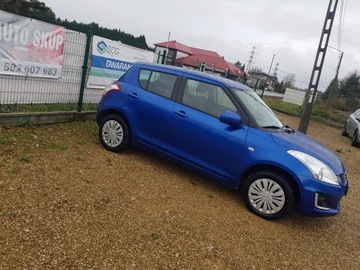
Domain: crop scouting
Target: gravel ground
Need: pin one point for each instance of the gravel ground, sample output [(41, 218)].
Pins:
[(67, 203)]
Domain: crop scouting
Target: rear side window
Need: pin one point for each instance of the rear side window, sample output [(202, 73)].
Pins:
[(159, 83), (207, 98)]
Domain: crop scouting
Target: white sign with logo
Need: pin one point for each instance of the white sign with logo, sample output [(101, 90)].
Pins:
[(29, 47), (111, 59)]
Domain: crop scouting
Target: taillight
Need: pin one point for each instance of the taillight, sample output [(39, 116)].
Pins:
[(112, 87)]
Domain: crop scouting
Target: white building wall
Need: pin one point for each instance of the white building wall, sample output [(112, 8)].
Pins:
[(294, 96)]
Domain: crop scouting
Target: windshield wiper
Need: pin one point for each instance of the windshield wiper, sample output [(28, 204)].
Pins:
[(272, 127), (284, 127), (288, 129)]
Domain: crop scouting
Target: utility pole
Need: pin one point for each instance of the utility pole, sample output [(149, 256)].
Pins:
[(310, 95), (335, 79), (267, 77), (251, 59), (166, 52), (276, 69)]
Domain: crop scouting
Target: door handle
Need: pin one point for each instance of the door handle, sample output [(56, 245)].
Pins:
[(134, 95), (181, 113)]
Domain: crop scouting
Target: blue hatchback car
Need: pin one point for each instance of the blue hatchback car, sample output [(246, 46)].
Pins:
[(223, 130)]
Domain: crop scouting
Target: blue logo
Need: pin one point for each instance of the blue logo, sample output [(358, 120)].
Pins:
[(101, 47)]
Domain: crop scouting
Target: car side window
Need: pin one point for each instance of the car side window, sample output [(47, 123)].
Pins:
[(207, 98), (357, 114), (157, 82)]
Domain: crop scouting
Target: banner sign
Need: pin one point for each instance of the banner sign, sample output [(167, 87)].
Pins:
[(29, 47), (111, 59)]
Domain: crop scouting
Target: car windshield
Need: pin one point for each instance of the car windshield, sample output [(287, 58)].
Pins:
[(262, 114)]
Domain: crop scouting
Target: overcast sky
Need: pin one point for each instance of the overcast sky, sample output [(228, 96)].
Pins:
[(290, 29)]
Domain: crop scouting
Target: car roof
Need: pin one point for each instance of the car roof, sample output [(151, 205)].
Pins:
[(226, 82)]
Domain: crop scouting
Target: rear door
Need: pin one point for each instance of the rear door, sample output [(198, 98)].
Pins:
[(151, 109), (198, 137)]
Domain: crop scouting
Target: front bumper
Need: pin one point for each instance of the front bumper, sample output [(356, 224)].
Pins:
[(321, 199)]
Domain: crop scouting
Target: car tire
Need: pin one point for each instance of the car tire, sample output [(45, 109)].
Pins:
[(344, 132), (114, 133), (268, 195), (354, 141)]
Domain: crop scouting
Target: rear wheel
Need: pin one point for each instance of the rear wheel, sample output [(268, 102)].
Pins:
[(268, 195), (114, 133), (355, 141)]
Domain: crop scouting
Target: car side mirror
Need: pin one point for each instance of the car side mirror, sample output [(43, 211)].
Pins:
[(231, 118)]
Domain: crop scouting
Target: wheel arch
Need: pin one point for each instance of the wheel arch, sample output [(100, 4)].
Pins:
[(355, 137), (267, 167), (103, 114), (356, 132)]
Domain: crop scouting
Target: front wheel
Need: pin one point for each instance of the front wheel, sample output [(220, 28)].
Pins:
[(268, 195), (114, 133), (344, 132)]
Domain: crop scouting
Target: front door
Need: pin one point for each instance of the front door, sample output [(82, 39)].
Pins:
[(198, 137)]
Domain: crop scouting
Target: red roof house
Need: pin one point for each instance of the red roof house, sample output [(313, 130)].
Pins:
[(183, 55)]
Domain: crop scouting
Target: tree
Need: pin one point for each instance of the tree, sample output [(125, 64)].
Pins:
[(289, 80), (12, 6), (38, 10), (332, 91), (256, 70), (279, 87), (32, 8), (240, 66), (350, 91)]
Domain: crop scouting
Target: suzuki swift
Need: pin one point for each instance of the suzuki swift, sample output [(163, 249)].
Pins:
[(223, 130)]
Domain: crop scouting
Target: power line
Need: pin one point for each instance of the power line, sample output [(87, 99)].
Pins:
[(341, 22)]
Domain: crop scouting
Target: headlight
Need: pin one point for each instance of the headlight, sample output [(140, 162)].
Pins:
[(318, 169)]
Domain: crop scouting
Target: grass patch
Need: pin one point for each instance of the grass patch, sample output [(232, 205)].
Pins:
[(25, 158), (17, 108), (155, 236), (11, 215), (57, 147), (320, 113), (5, 141), (284, 107)]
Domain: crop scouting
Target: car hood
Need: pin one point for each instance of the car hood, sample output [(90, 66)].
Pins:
[(299, 141)]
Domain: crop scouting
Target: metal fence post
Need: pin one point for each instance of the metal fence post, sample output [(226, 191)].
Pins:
[(84, 68)]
